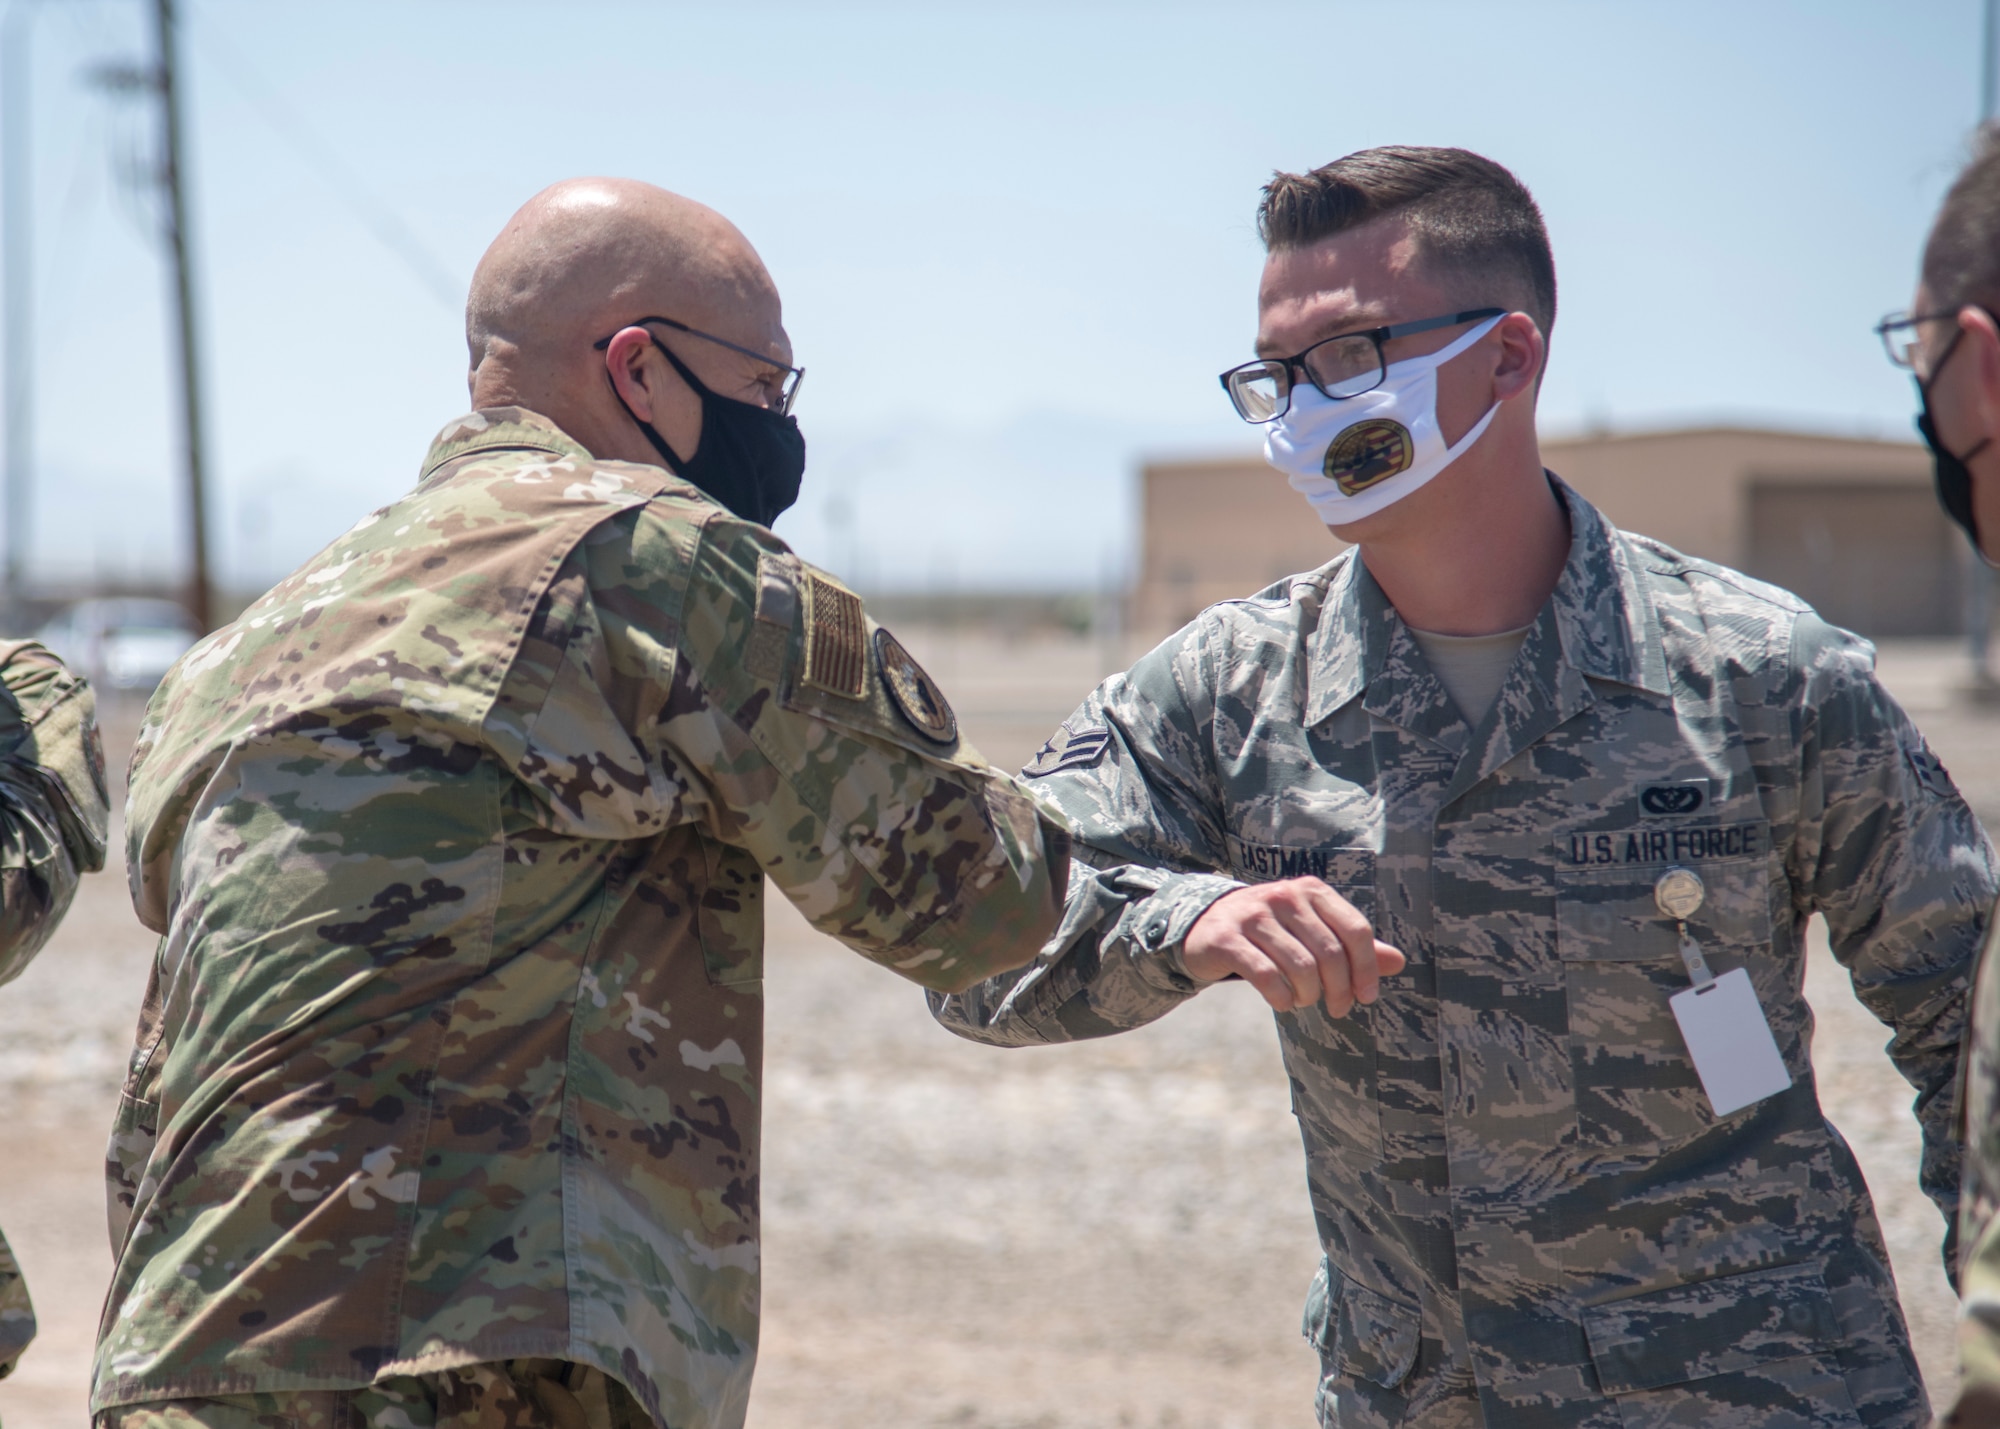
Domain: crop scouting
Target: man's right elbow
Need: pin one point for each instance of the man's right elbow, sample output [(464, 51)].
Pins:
[(965, 973)]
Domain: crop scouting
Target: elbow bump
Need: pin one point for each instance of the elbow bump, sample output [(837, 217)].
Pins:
[(970, 972)]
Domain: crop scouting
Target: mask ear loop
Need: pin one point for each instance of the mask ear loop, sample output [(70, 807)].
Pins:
[(1445, 354), (674, 463), (1458, 448), (1433, 360)]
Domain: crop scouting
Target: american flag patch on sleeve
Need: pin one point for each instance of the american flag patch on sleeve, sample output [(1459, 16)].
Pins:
[(836, 650)]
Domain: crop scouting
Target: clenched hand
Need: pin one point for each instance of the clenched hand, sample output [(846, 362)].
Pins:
[(1297, 942)]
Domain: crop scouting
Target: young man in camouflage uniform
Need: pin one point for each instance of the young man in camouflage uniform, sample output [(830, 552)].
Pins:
[(1950, 339), (53, 809), (1569, 775), (445, 1104)]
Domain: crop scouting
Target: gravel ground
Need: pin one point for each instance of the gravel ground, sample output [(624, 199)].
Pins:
[(1105, 1235)]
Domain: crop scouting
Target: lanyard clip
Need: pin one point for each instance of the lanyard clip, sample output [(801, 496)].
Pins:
[(1679, 895)]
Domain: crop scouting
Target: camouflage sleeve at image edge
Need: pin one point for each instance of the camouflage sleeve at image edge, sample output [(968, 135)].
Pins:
[(54, 807), (1889, 853), (1979, 1264), (1129, 769), (53, 814)]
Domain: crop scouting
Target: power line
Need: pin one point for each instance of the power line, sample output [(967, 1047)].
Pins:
[(347, 186)]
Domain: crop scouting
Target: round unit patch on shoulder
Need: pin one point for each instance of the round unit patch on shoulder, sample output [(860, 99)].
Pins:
[(916, 694), (1369, 453)]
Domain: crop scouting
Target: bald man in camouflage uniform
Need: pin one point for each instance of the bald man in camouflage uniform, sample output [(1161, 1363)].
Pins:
[(53, 809), (1531, 1211), (445, 1105)]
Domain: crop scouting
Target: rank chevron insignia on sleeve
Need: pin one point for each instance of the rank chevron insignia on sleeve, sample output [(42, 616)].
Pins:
[(1070, 749)]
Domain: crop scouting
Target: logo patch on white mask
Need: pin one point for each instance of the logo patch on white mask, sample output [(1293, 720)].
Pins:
[(1367, 453)]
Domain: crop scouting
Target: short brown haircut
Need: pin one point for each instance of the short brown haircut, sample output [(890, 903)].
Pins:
[(1962, 256), (1474, 222)]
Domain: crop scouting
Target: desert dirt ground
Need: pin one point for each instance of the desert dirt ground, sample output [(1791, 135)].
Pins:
[(1104, 1235)]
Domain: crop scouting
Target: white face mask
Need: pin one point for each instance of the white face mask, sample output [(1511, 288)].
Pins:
[(1353, 457)]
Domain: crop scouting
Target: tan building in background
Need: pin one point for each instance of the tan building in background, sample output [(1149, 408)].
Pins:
[(1850, 524)]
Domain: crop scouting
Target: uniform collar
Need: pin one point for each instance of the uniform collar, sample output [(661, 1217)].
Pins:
[(500, 429), (1599, 623)]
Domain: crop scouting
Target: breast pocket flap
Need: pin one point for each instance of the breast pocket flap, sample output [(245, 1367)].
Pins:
[(1720, 1326), (1612, 916)]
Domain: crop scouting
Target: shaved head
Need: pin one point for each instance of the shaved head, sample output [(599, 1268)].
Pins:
[(582, 260)]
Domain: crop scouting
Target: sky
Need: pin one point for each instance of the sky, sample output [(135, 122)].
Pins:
[(1015, 242)]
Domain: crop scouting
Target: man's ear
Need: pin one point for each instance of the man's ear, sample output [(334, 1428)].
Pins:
[(1522, 350), (1978, 332), (625, 363)]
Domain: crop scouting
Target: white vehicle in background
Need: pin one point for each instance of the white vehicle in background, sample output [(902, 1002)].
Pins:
[(124, 644)]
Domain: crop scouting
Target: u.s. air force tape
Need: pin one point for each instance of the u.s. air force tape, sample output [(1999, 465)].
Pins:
[(1692, 845), (1070, 749)]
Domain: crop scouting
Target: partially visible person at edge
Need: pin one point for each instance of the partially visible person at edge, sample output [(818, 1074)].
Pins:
[(1591, 789), (444, 1109), (53, 812), (1950, 339)]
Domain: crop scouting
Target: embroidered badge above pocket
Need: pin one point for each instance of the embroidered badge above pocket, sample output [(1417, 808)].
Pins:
[(1676, 800)]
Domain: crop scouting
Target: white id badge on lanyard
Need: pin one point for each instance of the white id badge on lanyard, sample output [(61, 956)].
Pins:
[(1721, 1020), (1731, 1042)]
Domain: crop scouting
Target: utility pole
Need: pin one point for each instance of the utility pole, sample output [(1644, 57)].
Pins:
[(173, 181), (1979, 583), (16, 237)]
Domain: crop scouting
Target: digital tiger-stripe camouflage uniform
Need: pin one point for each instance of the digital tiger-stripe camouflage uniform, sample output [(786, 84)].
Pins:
[(53, 812), (446, 1092), (1529, 1214)]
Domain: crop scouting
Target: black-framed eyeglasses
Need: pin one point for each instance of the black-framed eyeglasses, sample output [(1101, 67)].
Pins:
[(787, 394), (1898, 332), (1342, 366)]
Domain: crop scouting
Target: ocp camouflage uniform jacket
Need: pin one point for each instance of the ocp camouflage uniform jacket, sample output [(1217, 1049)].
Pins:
[(53, 810), (1978, 1404), (1528, 1210), (458, 840)]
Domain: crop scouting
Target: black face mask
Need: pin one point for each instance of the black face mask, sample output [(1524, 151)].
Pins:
[(750, 458), (1954, 479)]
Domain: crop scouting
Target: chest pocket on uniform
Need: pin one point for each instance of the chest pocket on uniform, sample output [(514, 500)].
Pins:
[(1635, 1083), (1331, 1061)]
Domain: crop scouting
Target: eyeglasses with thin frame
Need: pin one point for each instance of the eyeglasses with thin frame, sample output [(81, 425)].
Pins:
[(1900, 338), (787, 394), (1345, 365)]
